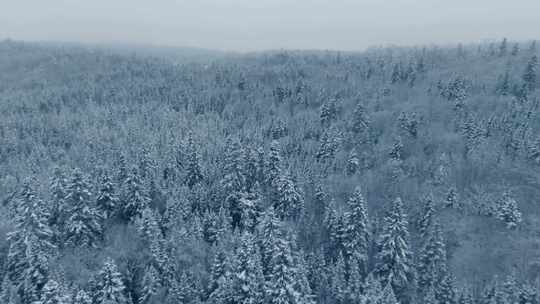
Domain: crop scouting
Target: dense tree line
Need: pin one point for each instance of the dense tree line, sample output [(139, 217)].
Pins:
[(399, 175)]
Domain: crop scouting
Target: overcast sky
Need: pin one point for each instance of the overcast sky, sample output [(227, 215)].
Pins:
[(247, 25)]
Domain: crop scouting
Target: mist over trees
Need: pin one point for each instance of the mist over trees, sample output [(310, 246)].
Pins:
[(395, 175)]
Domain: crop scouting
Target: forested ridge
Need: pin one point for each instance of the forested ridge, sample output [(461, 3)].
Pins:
[(393, 175)]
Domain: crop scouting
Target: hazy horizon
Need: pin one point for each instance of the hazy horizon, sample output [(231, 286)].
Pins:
[(241, 25)]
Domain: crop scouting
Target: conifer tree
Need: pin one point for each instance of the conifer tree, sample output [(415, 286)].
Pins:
[(83, 226), (57, 188), (274, 164), (218, 269), (372, 290), (269, 231), (338, 280), (432, 258), (445, 292), (82, 297), (36, 275), (388, 296), (394, 257), (31, 243), (280, 288), (290, 202), (529, 77), (234, 174), (353, 163), (52, 294), (150, 285), (134, 196), (508, 212), (426, 219), (356, 230), (328, 112), (110, 288), (247, 279), (193, 167), (107, 200)]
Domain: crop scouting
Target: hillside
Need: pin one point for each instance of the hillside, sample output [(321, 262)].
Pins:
[(316, 177)]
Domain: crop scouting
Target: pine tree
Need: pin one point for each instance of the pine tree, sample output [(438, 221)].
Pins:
[(182, 290), (83, 226), (82, 297), (356, 232), (394, 257), (52, 294), (338, 280), (134, 196), (247, 279), (107, 200), (110, 288), (193, 167)]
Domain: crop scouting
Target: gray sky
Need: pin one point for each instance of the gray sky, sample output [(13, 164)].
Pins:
[(270, 24)]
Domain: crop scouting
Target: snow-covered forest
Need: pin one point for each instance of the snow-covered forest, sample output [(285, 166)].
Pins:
[(394, 175)]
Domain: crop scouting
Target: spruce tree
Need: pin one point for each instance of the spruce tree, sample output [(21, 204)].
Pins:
[(529, 77), (52, 294), (372, 290), (508, 211), (338, 280), (432, 258), (247, 277), (107, 200), (356, 232), (280, 288), (57, 188), (150, 285), (394, 256), (426, 219), (83, 224), (194, 173), (268, 233), (31, 243), (134, 196), (388, 296), (110, 288), (274, 164), (290, 202), (82, 297)]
